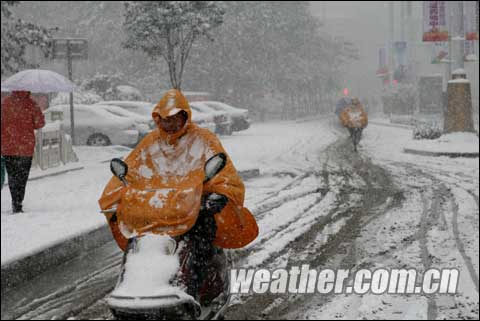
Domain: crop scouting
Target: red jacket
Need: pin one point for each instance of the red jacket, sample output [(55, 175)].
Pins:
[(20, 117)]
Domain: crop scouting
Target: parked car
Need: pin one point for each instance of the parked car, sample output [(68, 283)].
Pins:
[(223, 122), (203, 120), (239, 116), (144, 123), (146, 108), (96, 126), (143, 108)]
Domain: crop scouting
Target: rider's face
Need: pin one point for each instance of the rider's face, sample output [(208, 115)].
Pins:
[(171, 124)]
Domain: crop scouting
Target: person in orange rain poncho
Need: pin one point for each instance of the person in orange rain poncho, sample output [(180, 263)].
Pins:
[(164, 169), (354, 115)]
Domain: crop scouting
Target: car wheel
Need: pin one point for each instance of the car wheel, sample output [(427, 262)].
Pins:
[(98, 140)]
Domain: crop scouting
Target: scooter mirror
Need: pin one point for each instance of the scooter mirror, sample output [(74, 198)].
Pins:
[(119, 168), (214, 165)]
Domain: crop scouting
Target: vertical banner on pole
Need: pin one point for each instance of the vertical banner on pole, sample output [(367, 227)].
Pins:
[(382, 70), (435, 24), (400, 48), (470, 19), (400, 52)]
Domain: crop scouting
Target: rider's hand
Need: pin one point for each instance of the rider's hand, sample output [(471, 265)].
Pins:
[(214, 203)]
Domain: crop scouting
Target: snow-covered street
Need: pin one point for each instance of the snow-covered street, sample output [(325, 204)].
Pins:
[(316, 202), (240, 160), (389, 210)]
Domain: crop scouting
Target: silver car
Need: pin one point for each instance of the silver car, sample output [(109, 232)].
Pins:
[(96, 126), (223, 122), (144, 124), (145, 109), (239, 116)]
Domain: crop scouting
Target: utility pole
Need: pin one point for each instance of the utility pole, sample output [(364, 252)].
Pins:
[(70, 77), (459, 113), (391, 62), (70, 49), (457, 37), (324, 12), (402, 21), (411, 41)]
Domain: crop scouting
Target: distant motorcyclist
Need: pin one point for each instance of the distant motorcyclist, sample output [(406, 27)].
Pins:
[(352, 116), (166, 159)]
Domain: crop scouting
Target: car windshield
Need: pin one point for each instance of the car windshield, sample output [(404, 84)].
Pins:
[(116, 113), (195, 108), (215, 107)]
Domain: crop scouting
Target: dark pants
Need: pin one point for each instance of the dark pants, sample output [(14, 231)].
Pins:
[(202, 236), (356, 135), (18, 169)]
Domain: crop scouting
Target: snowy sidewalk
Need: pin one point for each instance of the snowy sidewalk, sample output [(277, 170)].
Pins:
[(451, 145), (59, 204)]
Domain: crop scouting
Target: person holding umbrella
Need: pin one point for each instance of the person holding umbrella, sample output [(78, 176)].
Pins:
[(20, 118)]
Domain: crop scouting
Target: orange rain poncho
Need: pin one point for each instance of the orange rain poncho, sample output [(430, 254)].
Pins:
[(165, 175), (354, 116)]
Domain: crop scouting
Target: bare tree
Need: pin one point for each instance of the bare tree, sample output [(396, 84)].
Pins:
[(168, 29)]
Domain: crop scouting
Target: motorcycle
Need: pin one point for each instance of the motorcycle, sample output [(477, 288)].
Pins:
[(161, 277)]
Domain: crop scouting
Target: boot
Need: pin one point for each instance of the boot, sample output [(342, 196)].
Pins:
[(17, 208)]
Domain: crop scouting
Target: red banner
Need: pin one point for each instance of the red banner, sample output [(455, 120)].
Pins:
[(435, 26), (470, 18)]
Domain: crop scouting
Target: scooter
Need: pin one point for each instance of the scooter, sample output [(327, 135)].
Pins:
[(159, 279)]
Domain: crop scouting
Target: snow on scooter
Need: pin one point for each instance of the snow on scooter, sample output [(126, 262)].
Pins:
[(159, 277)]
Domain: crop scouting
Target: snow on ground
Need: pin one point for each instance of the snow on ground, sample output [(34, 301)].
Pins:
[(450, 143), (286, 199), (306, 182), (437, 226), (278, 146), (59, 207)]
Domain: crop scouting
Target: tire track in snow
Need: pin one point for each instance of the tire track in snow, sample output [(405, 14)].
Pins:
[(340, 244), (287, 186), (425, 226), (454, 221), (284, 236), (461, 246)]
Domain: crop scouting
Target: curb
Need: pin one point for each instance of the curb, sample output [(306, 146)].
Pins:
[(60, 172), (440, 154), (20, 271), (27, 268), (391, 125)]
